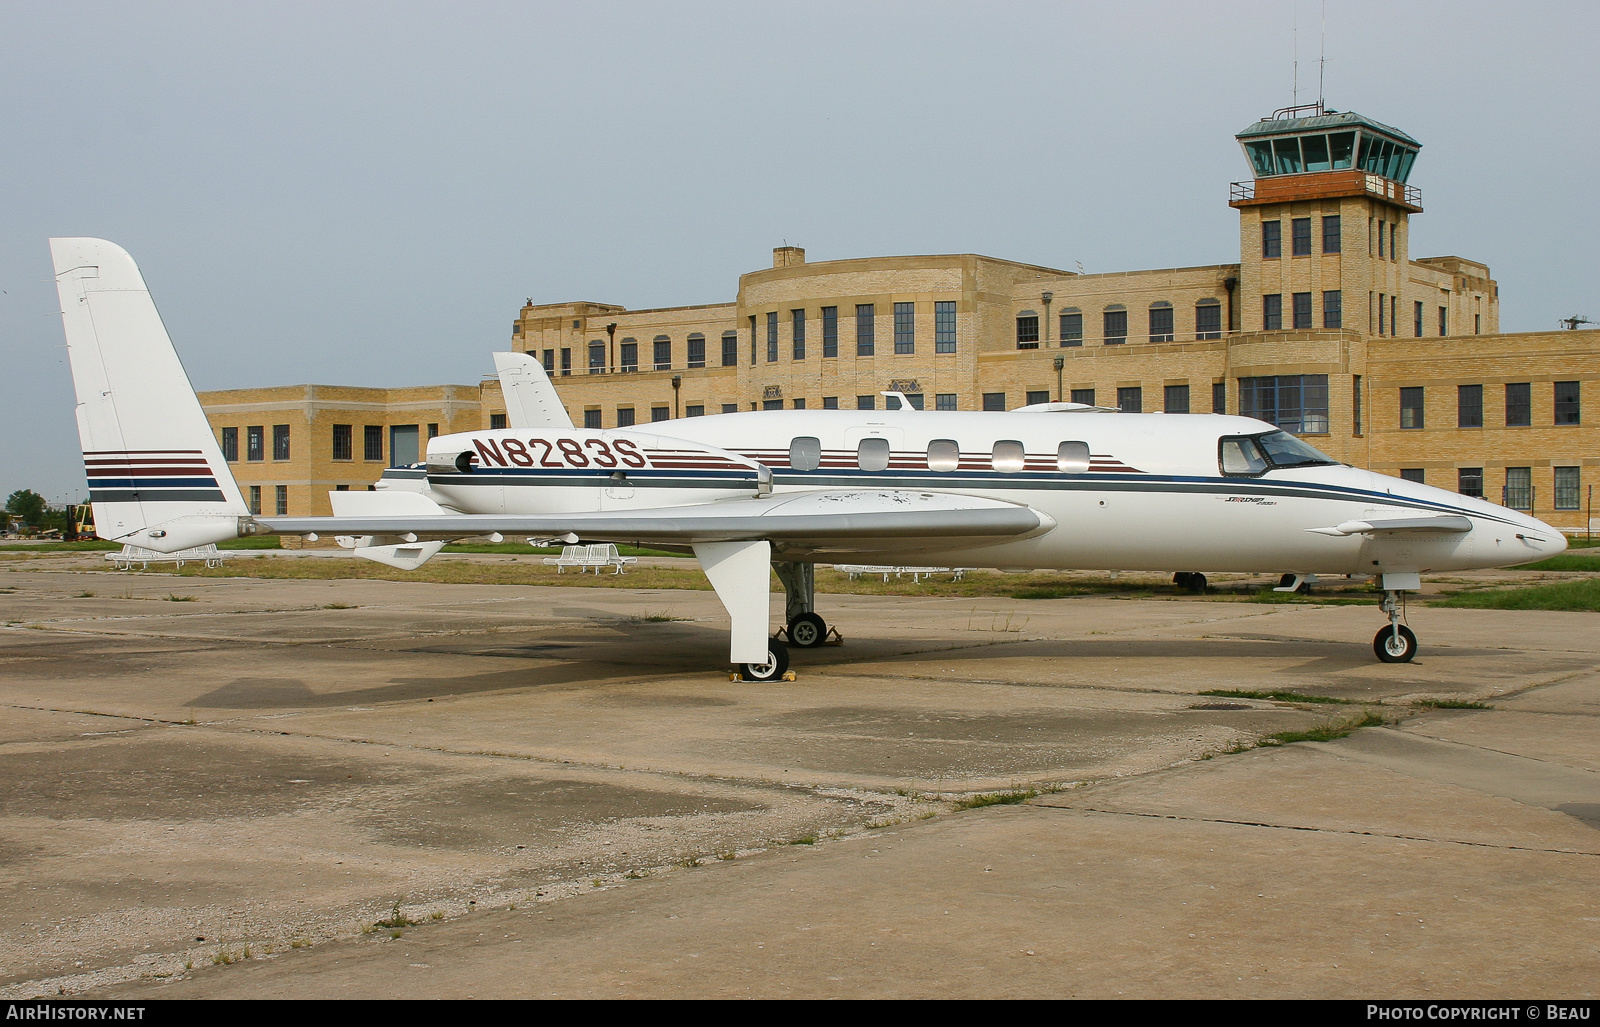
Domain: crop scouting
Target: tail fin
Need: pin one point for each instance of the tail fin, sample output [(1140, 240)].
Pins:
[(156, 474), (531, 401)]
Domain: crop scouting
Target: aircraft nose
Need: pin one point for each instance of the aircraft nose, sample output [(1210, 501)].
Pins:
[(1542, 537)]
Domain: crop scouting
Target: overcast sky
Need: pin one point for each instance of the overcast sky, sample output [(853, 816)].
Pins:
[(364, 193)]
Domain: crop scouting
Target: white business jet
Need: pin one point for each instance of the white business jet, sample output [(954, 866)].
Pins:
[(1052, 486)]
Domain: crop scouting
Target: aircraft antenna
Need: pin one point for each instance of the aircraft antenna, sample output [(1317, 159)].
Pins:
[(1296, 23), (1322, 58), (1572, 323)]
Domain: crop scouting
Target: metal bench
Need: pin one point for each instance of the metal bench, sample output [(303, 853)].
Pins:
[(856, 570), (211, 556), (585, 557)]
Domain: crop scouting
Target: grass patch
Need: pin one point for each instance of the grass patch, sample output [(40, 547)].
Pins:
[(1575, 596), (1008, 798), (1279, 696), (173, 597), (1450, 704), (339, 606), (1589, 561), (396, 920), (1326, 733)]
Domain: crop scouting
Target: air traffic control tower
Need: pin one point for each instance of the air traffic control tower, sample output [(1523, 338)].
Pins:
[(1323, 227)]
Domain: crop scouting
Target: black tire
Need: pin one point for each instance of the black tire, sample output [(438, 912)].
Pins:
[(1391, 649), (808, 631), (1189, 581), (775, 667)]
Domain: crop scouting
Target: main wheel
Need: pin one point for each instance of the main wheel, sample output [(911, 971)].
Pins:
[(777, 663), (808, 631), (1395, 646)]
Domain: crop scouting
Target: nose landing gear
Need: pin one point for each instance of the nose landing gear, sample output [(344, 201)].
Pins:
[(1395, 643)]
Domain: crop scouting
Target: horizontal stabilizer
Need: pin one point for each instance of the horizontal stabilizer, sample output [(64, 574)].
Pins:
[(1438, 522)]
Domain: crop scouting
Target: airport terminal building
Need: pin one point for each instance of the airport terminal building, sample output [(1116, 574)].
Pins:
[(1326, 326)]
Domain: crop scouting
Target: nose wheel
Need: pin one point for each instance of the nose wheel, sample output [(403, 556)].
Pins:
[(1395, 643)]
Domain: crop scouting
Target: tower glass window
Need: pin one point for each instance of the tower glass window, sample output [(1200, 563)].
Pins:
[(1072, 328), (1271, 312), (866, 329), (1160, 324), (1116, 327), (1333, 309), (944, 326), (1296, 403), (1028, 331), (1272, 239), (905, 327), (1300, 237)]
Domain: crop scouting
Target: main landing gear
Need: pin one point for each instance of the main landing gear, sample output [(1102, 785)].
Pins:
[(805, 628), (1189, 581), (776, 665), (1395, 643)]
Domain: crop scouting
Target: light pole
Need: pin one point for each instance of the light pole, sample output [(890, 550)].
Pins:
[(677, 383), (611, 331), (1060, 363), (1045, 299)]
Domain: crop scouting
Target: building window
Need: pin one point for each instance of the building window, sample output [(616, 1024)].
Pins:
[(1219, 397), (1072, 328), (1444, 321), (1469, 406), (624, 416), (255, 443), (662, 345), (1130, 400), (772, 404), (597, 358), (1477, 324), (1300, 237), (797, 329), (772, 336), (1294, 402), (866, 402), (830, 331), (1116, 327), (255, 499), (1355, 404), (1272, 238), (695, 410), (1380, 239), (566, 361), (1567, 409), (1027, 331), (591, 418), (664, 413), (433, 431), (1176, 399), (1333, 309), (752, 346), (1567, 488), (730, 349), (944, 326), (1208, 320), (344, 446), (799, 404), (830, 402), (1411, 413), (1084, 396), (497, 421), (1469, 481), (630, 356), (549, 361), (1519, 404), (372, 442), (1038, 397), (230, 445), (1519, 488), (1272, 312), (944, 401), (1161, 324), (994, 401), (866, 329), (1412, 474), (1416, 319), (697, 350), (730, 408), (1330, 234), (905, 328), (1302, 309), (282, 499)]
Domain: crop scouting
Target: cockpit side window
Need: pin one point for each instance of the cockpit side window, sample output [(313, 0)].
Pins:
[(1239, 456)]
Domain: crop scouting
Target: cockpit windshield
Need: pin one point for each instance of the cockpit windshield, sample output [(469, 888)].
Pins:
[(1250, 455)]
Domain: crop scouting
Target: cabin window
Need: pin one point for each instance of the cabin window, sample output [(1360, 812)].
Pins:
[(943, 455), (873, 454), (805, 453), (1007, 456), (1072, 457)]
